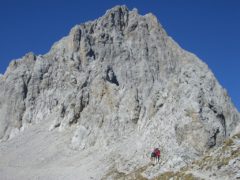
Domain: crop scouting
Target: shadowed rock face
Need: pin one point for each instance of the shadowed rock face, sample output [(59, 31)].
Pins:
[(117, 78)]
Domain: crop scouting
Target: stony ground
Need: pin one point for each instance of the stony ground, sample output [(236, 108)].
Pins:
[(221, 163), (103, 97)]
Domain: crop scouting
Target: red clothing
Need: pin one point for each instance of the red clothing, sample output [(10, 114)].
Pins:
[(157, 152)]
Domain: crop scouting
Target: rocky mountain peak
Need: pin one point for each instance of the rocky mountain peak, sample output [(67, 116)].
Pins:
[(117, 16), (119, 85), (117, 25)]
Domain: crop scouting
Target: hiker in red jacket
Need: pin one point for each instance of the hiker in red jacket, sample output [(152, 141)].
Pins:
[(157, 153)]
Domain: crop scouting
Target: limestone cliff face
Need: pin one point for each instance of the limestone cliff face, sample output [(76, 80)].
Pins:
[(118, 78)]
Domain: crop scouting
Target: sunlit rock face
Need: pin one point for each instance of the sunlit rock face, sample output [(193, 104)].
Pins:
[(119, 83)]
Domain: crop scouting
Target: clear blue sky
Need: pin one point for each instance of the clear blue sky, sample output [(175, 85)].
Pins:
[(208, 28)]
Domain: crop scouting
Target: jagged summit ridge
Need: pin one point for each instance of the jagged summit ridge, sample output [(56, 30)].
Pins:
[(117, 24), (116, 81)]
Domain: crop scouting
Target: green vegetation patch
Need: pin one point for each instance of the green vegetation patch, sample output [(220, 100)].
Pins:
[(176, 176), (228, 142), (135, 175), (236, 136)]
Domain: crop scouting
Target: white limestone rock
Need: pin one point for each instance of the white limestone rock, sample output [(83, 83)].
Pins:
[(117, 81)]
